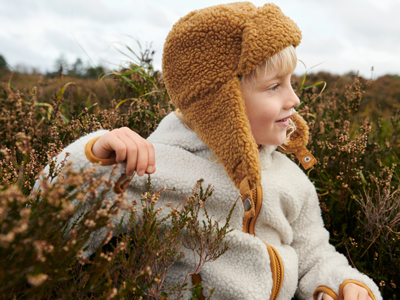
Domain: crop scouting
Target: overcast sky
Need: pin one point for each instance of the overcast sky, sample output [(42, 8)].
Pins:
[(343, 35)]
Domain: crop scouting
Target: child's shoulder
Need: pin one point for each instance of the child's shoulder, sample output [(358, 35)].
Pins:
[(182, 158), (172, 132), (289, 171)]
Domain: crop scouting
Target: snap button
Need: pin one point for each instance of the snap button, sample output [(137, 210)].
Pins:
[(307, 159), (247, 204)]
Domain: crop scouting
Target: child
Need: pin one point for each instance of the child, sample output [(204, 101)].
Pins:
[(235, 109)]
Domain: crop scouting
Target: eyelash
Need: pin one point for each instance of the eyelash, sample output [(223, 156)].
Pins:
[(274, 87)]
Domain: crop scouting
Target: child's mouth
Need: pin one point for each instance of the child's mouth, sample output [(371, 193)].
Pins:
[(283, 122)]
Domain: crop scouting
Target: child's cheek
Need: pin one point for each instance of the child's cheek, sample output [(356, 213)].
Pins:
[(267, 116), (262, 113), (263, 122)]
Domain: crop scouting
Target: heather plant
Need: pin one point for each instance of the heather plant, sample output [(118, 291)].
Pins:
[(23, 122), (43, 237), (143, 89), (355, 141), (357, 179), (33, 244)]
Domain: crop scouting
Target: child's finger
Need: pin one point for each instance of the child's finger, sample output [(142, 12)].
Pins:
[(146, 155), (113, 143), (351, 294), (325, 296), (137, 148), (151, 167), (354, 291), (142, 161), (132, 153)]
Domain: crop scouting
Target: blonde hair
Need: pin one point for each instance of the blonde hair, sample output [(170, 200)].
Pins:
[(282, 63)]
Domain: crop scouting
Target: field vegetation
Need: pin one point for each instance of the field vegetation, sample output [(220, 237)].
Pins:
[(354, 134)]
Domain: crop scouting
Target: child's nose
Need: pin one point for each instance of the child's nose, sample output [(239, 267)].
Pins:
[(292, 100)]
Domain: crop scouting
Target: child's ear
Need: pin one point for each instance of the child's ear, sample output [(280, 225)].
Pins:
[(298, 142)]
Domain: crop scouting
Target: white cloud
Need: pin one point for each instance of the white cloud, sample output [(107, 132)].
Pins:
[(345, 35)]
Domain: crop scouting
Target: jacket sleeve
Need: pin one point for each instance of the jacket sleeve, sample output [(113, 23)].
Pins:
[(81, 162), (321, 267), (82, 158)]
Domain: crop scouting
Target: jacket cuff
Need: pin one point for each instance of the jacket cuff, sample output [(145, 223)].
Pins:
[(93, 159), (357, 283), (319, 291), (330, 292)]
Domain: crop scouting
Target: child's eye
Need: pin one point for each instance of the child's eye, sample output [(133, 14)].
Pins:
[(273, 88)]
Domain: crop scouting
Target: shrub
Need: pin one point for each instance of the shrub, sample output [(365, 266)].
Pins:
[(357, 179), (355, 141), (43, 237), (41, 247), (3, 63)]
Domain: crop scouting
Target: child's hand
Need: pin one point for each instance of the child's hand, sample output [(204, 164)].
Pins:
[(351, 291), (125, 144)]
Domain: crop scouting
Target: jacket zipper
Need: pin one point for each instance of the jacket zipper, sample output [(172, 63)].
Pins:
[(279, 272), (276, 261)]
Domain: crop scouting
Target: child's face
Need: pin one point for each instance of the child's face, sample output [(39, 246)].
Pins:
[(268, 101)]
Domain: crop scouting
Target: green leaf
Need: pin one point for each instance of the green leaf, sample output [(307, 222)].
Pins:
[(303, 80), (61, 93), (364, 182), (64, 118), (92, 106), (315, 84), (49, 110), (150, 113), (135, 85), (123, 101), (135, 70)]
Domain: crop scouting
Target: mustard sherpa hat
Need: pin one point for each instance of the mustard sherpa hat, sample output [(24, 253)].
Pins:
[(204, 54)]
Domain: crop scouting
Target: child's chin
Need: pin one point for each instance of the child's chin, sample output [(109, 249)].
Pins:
[(277, 140), (275, 143), (280, 140)]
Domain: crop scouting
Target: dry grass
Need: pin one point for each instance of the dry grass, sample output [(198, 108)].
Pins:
[(355, 141)]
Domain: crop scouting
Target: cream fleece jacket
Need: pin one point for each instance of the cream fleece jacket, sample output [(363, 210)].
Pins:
[(290, 218)]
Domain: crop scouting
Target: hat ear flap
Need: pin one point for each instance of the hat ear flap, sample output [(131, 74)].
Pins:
[(222, 124), (298, 142)]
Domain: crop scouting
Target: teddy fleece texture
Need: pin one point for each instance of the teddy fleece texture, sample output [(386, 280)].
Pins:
[(290, 218), (203, 55)]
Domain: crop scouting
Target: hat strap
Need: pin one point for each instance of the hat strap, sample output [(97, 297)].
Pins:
[(245, 193)]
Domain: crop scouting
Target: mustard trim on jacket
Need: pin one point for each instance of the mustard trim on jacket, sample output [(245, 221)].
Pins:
[(335, 296), (94, 159), (277, 268)]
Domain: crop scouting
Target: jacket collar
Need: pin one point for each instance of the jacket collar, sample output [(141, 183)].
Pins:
[(171, 131)]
